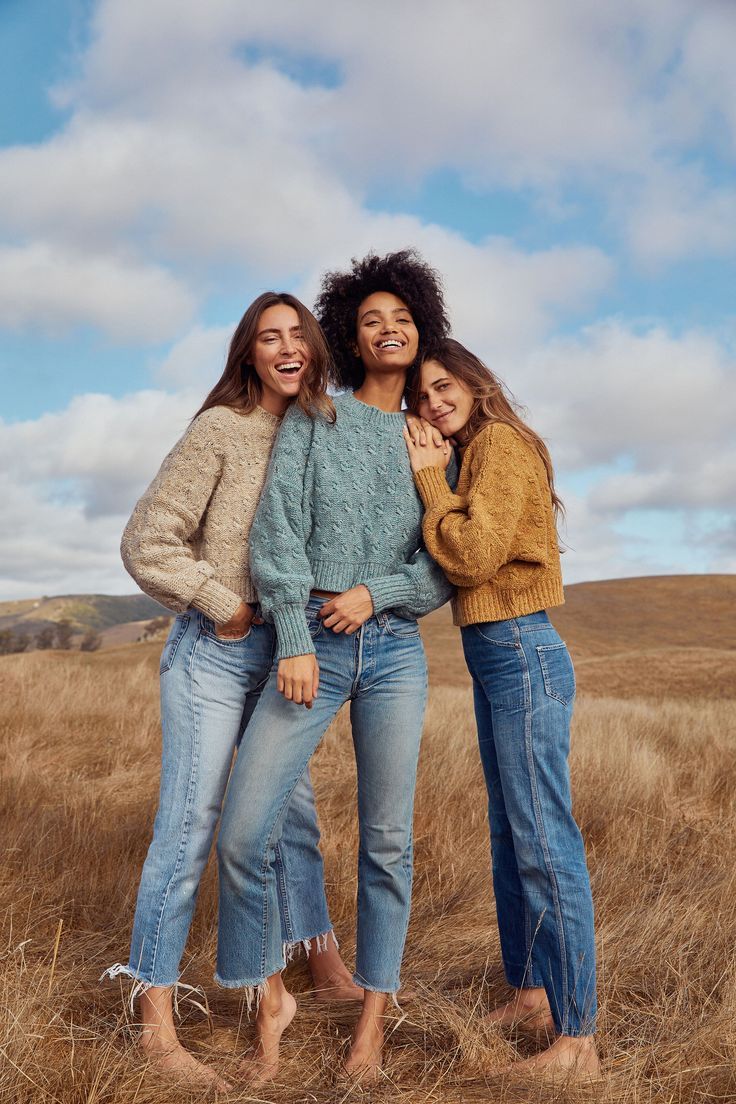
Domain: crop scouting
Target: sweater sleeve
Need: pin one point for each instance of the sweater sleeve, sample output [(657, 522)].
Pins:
[(155, 546), (472, 536), (279, 565), (419, 586)]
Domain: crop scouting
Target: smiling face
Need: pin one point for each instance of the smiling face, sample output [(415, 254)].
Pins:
[(443, 399), (280, 356), (387, 339)]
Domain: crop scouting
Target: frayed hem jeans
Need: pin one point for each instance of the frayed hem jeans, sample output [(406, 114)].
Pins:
[(524, 687), (209, 689), (381, 671)]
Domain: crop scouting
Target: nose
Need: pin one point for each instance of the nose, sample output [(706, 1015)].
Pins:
[(388, 326), (435, 402)]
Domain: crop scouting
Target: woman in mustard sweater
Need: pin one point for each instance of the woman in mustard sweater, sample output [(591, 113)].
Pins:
[(495, 538)]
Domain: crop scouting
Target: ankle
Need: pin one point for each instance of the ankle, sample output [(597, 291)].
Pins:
[(157, 1040)]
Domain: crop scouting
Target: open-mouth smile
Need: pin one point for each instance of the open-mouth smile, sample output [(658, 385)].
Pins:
[(289, 369), (390, 343)]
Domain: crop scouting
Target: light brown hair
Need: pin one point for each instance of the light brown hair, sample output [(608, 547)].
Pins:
[(491, 403), (239, 386)]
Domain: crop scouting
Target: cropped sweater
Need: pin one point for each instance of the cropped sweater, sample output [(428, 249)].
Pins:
[(495, 535), (186, 543), (340, 508)]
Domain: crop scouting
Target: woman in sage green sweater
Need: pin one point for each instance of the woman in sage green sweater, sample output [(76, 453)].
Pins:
[(494, 535), (337, 557)]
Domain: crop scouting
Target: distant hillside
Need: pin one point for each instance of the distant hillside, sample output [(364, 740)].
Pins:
[(84, 611), (671, 635)]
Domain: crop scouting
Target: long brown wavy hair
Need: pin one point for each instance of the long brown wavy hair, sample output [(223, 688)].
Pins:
[(239, 386), (492, 402)]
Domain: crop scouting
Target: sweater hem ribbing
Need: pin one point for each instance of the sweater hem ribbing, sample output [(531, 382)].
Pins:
[(339, 575), (487, 603)]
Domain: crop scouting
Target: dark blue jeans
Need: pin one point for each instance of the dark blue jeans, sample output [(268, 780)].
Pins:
[(524, 687)]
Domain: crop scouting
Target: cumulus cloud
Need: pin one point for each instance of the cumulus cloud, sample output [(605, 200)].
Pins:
[(53, 289), (612, 98), (205, 145)]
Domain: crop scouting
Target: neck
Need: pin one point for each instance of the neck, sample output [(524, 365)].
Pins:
[(384, 391), (273, 403)]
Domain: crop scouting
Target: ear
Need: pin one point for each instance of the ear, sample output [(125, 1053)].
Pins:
[(354, 347)]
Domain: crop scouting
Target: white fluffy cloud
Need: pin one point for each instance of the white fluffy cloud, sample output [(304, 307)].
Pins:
[(191, 152), (60, 288)]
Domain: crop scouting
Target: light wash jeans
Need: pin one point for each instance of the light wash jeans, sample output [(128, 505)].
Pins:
[(524, 687), (381, 671), (209, 689)]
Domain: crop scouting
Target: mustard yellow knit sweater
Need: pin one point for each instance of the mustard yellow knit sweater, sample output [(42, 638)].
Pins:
[(494, 536)]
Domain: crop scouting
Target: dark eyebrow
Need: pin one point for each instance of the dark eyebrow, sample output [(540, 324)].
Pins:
[(275, 330), (440, 379), (375, 310)]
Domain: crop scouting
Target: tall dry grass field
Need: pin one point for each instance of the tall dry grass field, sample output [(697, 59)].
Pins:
[(655, 786)]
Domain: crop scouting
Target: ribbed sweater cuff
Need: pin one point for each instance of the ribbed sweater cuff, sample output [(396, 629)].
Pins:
[(432, 485), (216, 601), (389, 591), (292, 632)]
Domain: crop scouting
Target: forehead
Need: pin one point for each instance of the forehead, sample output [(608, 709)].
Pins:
[(431, 372), (278, 317), (385, 302)]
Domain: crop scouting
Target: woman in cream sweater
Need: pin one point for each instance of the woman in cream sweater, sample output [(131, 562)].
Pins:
[(186, 545), (495, 538)]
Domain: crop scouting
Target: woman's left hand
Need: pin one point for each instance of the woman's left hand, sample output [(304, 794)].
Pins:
[(346, 612), (422, 443)]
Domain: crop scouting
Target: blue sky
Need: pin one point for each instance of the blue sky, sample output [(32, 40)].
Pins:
[(568, 169)]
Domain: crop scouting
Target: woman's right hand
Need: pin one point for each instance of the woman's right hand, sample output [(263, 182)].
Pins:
[(298, 679), (239, 624)]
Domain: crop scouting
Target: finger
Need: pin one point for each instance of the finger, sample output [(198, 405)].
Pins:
[(288, 689), (308, 705), (326, 609), (341, 625), (330, 621), (412, 432), (297, 697), (280, 683)]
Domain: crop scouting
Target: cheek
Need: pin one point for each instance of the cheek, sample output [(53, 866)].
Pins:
[(261, 361)]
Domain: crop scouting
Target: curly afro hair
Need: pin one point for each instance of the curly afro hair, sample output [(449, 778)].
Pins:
[(405, 274)]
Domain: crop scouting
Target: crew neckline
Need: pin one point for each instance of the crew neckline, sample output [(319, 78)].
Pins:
[(371, 411)]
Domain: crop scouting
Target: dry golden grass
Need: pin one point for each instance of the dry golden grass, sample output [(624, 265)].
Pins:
[(655, 785)]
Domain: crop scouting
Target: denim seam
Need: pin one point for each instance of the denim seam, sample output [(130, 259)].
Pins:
[(264, 863), (186, 822), (529, 742), (184, 625), (282, 886)]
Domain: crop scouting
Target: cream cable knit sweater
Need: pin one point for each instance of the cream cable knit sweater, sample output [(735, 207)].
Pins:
[(186, 543)]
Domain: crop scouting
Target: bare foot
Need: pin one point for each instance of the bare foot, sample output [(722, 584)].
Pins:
[(529, 1009), (568, 1057), (364, 1060), (176, 1062), (275, 1013), (331, 979), (336, 987)]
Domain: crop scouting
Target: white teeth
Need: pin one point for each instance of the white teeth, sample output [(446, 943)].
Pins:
[(289, 367), (390, 345)]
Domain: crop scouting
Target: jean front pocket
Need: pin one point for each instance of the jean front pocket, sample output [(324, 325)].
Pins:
[(402, 627), (168, 655), (315, 624), (558, 672)]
